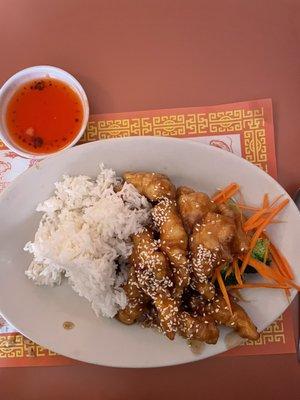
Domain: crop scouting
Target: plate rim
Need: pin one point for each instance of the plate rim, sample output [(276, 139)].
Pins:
[(82, 147)]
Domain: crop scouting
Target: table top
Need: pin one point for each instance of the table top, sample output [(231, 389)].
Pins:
[(139, 54)]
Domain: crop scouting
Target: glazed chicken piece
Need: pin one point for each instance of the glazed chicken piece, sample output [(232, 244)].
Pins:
[(151, 185), (210, 244), (239, 321), (202, 329), (137, 299), (197, 304), (173, 242), (241, 241), (193, 206), (153, 276), (203, 286)]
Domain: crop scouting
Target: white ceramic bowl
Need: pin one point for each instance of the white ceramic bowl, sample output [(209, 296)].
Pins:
[(28, 74), (39, 312)]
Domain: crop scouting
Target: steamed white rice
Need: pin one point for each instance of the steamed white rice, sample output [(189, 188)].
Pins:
[(84, 235)]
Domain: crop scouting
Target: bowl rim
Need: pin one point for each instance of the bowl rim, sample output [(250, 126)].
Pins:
[(72, 82)]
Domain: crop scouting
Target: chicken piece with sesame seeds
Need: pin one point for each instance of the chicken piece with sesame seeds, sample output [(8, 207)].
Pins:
[(203, 286), (210, 244), (197, 304), (199, 328), (241, 240), (136, 299), (238, 320), (153, 275), (173, 242), (154, 186), (167, 309), (193, 206)]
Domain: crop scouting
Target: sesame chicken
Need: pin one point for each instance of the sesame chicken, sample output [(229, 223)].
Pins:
[(136, 299), (193, 206), (152, 185), (173, 242), (238, 320), (172, 283), (153, 275)]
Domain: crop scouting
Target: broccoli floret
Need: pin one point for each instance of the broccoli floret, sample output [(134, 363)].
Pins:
[(260, 250), (258, 253)]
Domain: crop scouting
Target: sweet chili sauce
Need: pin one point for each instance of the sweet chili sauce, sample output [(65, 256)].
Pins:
[(44, 116)]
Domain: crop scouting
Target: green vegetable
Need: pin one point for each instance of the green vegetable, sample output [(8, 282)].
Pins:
[(258, 253), (260, 250)]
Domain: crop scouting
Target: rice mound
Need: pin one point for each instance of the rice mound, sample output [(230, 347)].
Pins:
[(84, 235)]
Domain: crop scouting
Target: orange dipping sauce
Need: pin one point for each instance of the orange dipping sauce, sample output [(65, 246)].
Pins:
[(44, 116)]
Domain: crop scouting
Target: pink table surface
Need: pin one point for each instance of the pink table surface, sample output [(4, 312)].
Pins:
[(142, 54)]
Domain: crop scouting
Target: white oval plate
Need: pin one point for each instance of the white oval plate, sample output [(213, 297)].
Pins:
[(39, 312)]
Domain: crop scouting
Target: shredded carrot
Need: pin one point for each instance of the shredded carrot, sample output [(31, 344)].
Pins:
[(258, 285), (294, 285), (281, 262), (282, 282), (226, 193), (223, 290), (246, 207), (276, 199), (263, 213), (249, 224), (266, 202), (218, 269), (237, 272), (266, 272), (268, 219), (279, 259), (280, 272), (267, 252), (245, 261), (260, 221), (228, 272)]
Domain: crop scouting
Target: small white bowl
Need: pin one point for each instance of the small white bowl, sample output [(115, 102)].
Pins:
[(28, 74)]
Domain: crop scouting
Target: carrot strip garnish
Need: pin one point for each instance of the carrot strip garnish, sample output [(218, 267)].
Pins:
[(279, 259), (294, 285), (260, 221), (228, 272), (260, 216), (223, 290), (246, 207), (281, 262), (266, 272), (237, 272), (268, 219), (276, 199), (267, 252), (266, 202), (248, 225), (245, 261), (226, 193)]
